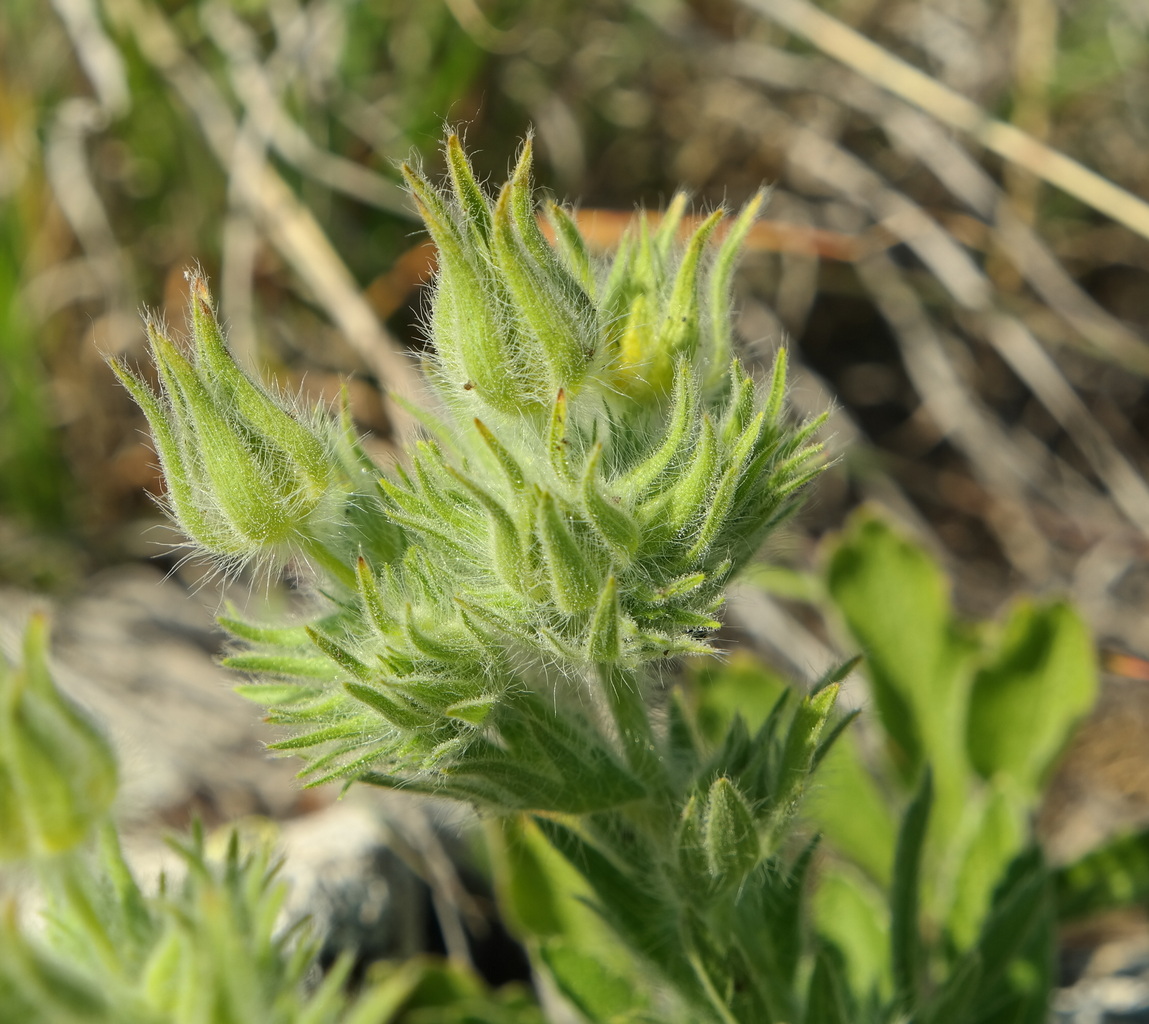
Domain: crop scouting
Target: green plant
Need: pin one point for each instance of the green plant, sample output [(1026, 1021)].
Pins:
[(492, 621), (598, 467)]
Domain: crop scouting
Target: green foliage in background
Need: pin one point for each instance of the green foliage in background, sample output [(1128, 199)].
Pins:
[(32, 471), (935, 898)]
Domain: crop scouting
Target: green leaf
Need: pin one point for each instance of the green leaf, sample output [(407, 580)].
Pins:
[(665, 236), (715, 515), (199, 523), (528, 893), (802, 740), (319, 736), (372, 598), (558, 437), (690, 850), (277, 427), (474, 204), (895, 602), (777, 396), (954, 1001), (339, 654), (905, 936), (625, 901), (853, 915), (572, 246), (273, 694), (692, 492), (576, 583), (852, 812), (739, 406), (614, 525), (556, 313), (506, 543), (771, 926), (449, 646), (826, 1002), (562, 748), (626, 696), (679, 332), (292, 636), (599, 993), (830, 739), (720, 278), (36, 988), (1018, 927), (285, 665), (396, 709), (260, 502), (605, 643), (681, 737), (507, 462), (514, 785), (475, 710), (636, 480), (521, 201), (57, 770), (1115, 875), (994, 836), (471, 340), (1026, 701)]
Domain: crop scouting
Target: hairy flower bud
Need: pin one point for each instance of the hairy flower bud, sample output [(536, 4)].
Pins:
[(729, 836), (247, 476), (57, 772)]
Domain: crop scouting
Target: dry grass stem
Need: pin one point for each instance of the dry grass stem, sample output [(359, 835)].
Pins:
[(902, 79)]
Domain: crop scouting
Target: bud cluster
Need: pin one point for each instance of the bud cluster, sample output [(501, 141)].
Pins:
[(736, 813), (598, 468), (606, 465)]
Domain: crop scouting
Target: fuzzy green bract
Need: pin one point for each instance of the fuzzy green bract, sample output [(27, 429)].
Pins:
[(597, 467)]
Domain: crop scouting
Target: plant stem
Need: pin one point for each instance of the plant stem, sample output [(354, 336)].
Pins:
[(716, 1002)]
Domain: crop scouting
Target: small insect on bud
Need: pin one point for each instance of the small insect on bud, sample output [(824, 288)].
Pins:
[(57, 772)]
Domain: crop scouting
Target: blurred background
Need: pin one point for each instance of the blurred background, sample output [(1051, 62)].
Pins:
[(955, 252)]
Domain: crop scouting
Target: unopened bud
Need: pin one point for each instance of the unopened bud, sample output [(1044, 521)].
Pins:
[(730, 838), (57, 772), (246, 477)]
